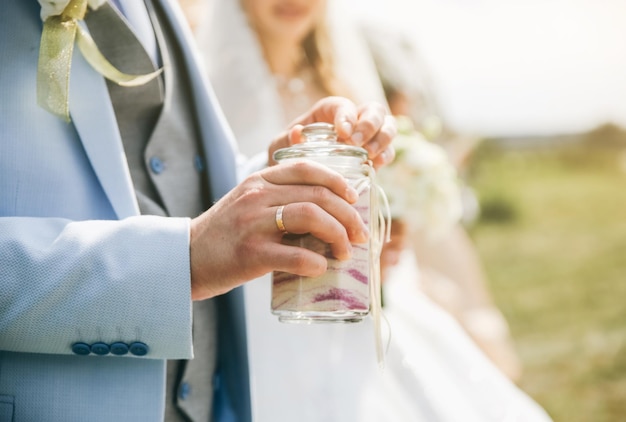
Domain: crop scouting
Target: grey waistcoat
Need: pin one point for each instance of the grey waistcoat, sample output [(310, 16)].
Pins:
[(161, 142)]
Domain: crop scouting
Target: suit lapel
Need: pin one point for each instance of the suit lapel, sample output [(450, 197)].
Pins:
[(136, 14), (92, 114), (94, 118)]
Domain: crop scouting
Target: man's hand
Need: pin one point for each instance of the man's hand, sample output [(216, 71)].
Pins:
[(368, 126), (238, 239)]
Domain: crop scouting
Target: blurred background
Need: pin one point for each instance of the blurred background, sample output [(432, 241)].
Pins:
[(542, 85)]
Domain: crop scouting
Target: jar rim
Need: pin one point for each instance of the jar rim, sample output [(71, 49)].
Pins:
[(320, 141), (320, 149), (320, 129)]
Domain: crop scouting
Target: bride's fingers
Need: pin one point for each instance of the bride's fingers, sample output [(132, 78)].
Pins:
[(375, 130), (295, 135), (340, 111), (384, 157), (369, 126), (370, 119)]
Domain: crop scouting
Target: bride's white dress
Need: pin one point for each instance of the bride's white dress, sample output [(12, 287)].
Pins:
[(433, 371), (329, 372)]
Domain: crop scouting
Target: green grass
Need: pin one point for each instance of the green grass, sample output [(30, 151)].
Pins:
[(553, 242)]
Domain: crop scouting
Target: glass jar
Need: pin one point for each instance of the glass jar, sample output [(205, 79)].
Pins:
[(344, 292)]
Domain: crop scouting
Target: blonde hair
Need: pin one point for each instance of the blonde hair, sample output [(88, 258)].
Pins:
[(319, 53)]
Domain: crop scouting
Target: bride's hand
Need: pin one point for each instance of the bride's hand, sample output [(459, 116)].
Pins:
[(368, 126), (238, 238)]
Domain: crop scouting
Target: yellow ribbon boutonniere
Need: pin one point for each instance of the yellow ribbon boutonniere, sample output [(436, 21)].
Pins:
[(60, 33)]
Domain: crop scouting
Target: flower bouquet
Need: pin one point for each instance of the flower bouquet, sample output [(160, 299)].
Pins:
[(421, 183)]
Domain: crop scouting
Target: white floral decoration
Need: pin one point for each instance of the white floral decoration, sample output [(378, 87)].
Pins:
[(56, 7), (421, 183)]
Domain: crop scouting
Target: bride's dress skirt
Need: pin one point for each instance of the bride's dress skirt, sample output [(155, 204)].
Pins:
[(322, 373)]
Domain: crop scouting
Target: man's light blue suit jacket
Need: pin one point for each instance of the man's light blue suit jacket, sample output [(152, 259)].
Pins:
[(77, 264)]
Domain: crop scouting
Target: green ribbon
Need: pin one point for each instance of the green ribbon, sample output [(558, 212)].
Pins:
[(59, 35)]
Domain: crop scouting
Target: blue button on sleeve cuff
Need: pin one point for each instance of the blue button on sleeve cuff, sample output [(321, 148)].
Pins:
[(82, 349), (119, 349), (100, 349), (138, 349)]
